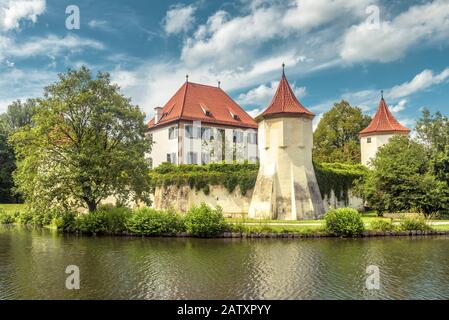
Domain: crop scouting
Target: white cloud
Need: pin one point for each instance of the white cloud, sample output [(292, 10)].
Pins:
[(263, 94), (12, 12), (419, 25), (224, 41), (179, 18), (401, 106), (51, 46), (421, 81), (23, 84), (98, 24)]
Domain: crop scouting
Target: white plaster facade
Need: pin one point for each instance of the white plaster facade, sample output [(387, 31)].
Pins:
[(371, 144), (196, 143), (286, 186)]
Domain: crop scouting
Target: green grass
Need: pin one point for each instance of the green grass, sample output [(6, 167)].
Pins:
[(12, 208), (441, 227)]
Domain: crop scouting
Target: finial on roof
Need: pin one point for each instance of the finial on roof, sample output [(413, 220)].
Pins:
[(187, 78), (283, 68), (382, 93), (219, 83)]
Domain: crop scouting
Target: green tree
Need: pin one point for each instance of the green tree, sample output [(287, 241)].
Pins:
[(87, 142), (433, 132), (400, 180), (18, 114), (336, 138)]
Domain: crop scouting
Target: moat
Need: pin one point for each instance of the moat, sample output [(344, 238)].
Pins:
[(33, 263)]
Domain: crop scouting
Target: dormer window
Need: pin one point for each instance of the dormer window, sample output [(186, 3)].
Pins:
[(206, 110), (233, 115)]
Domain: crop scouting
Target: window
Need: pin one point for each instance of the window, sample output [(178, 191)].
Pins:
[(238, 136), (191, 133), (206, 134), (252, 138), (369, 140), (172, 133), (171, 157), (192, 158), (205, 158)]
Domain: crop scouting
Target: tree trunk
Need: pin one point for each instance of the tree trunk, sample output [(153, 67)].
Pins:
[(91, 204)]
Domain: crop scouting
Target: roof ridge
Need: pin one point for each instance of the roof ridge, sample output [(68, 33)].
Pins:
[(183, 100)]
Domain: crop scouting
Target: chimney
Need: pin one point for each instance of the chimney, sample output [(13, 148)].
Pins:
[(157, 114)]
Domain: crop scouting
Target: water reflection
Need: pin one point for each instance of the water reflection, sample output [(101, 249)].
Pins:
[(33, 262)]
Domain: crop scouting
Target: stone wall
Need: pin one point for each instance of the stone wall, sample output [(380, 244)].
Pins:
[(233, 204)]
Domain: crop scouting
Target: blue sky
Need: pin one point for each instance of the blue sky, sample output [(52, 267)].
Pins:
[(333, 49)]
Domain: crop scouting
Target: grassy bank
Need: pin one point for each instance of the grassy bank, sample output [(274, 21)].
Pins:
[(203, 221)]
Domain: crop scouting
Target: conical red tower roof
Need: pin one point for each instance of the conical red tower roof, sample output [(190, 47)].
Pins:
[(285, 103), (384, 122)]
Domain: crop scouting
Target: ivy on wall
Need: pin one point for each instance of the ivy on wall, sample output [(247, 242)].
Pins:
[(230, 176), (331, 176), (338, 177)]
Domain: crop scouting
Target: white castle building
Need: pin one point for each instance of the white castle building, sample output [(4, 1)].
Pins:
[(286, 186), (201, 124), (381, 129)]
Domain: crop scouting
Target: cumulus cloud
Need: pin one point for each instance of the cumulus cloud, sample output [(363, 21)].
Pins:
[(263, 94), (421, 81), (420, 24), (12, 12), (225, 40), (401, 106), (179, 18)]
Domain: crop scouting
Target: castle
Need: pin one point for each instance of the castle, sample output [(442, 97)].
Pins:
[(286, 186)]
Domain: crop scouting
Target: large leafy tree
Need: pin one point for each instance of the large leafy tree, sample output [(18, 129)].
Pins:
[(336, 138), (433, 131), (400, 180), (18, 115), (87, 143)]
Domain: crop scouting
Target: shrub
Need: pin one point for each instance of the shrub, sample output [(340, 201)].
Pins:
[(91, 222), (115, 217), (6, 218), (204, 221), (26, 217), (414, 222), (150, 222), (65, 221), (382, 225), (345, 222)]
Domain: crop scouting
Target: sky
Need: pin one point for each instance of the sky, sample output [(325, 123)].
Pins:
[(332, 49)]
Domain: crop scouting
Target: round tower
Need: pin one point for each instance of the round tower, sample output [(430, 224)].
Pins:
[(286, 186), (381, 129)]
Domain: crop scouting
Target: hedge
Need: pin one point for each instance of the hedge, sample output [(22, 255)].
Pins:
[(331, 176)]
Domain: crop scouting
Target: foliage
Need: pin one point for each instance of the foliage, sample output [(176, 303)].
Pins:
[(18, 115), (345, 222), (87, 142), (6, 217), (203, 221), (337, 135), (106, 220), (414, 222), (400, 180), (230, 176), (150, 222), (382, 225), (339, 177)]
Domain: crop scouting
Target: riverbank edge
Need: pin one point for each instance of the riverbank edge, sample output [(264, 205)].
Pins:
[(291, 235)]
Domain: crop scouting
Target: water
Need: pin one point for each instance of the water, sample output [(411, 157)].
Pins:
[(33, 262)]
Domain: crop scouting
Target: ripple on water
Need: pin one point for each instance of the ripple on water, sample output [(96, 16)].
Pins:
[(32, 265)]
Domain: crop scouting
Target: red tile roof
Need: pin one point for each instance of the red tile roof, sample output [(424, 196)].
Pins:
[(384, 122), (192, 101), (285, 102)]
